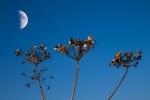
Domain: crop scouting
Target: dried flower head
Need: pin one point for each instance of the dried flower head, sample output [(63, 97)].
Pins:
[(35, 55), (76, 48), (18, 52), (127, 59)]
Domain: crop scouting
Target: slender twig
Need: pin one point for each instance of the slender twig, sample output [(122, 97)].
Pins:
[(70, 56), (76, 79), (119, 83), (39, 83), (134, 63), (84, 53), (44, 83), (74, 52), (42, 73)]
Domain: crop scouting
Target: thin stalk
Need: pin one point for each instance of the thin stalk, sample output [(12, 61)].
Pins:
[(76, 79), (119, 83), (74, 52), (39, 83)]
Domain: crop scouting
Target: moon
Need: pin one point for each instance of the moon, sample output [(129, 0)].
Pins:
[(23, 19)]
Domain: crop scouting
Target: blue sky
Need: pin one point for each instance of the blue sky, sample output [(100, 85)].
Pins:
[(122, 25)]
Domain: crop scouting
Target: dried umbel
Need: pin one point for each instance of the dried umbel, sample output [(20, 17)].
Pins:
[(35, 55), (127, 59), (76, 48)]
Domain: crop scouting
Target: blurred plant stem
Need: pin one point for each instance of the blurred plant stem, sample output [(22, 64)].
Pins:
[(76, 79), (119, 83), (39, 83)]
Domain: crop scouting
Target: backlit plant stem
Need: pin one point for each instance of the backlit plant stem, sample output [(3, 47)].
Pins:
[(76, 79), (119, 83), (39, 83)]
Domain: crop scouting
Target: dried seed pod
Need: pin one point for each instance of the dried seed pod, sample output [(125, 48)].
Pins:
[(126, 60)]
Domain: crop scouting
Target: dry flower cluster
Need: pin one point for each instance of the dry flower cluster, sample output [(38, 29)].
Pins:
[(126, 60), (35, 55), (76, 48)]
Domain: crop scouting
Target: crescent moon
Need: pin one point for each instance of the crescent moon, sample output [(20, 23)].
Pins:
[(23, 19)]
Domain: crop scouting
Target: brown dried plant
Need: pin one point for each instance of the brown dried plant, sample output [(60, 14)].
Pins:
[(36, 55), (125, 60), (76, 50)]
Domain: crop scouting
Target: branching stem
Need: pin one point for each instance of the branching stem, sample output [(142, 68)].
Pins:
[(39, 83)]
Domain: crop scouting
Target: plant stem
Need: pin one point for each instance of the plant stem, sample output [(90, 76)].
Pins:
[(119, 83), (75, 81), (39, 83)]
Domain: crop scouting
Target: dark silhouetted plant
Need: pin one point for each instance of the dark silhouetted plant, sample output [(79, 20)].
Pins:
[(125, 60), (76, 50), (35, 55)]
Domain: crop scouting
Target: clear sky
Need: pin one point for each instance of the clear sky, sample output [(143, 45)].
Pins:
[(122, 25)]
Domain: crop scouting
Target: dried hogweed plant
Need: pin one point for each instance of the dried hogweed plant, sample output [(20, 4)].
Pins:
[(76, 50), (125, 60), (36, 55)]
